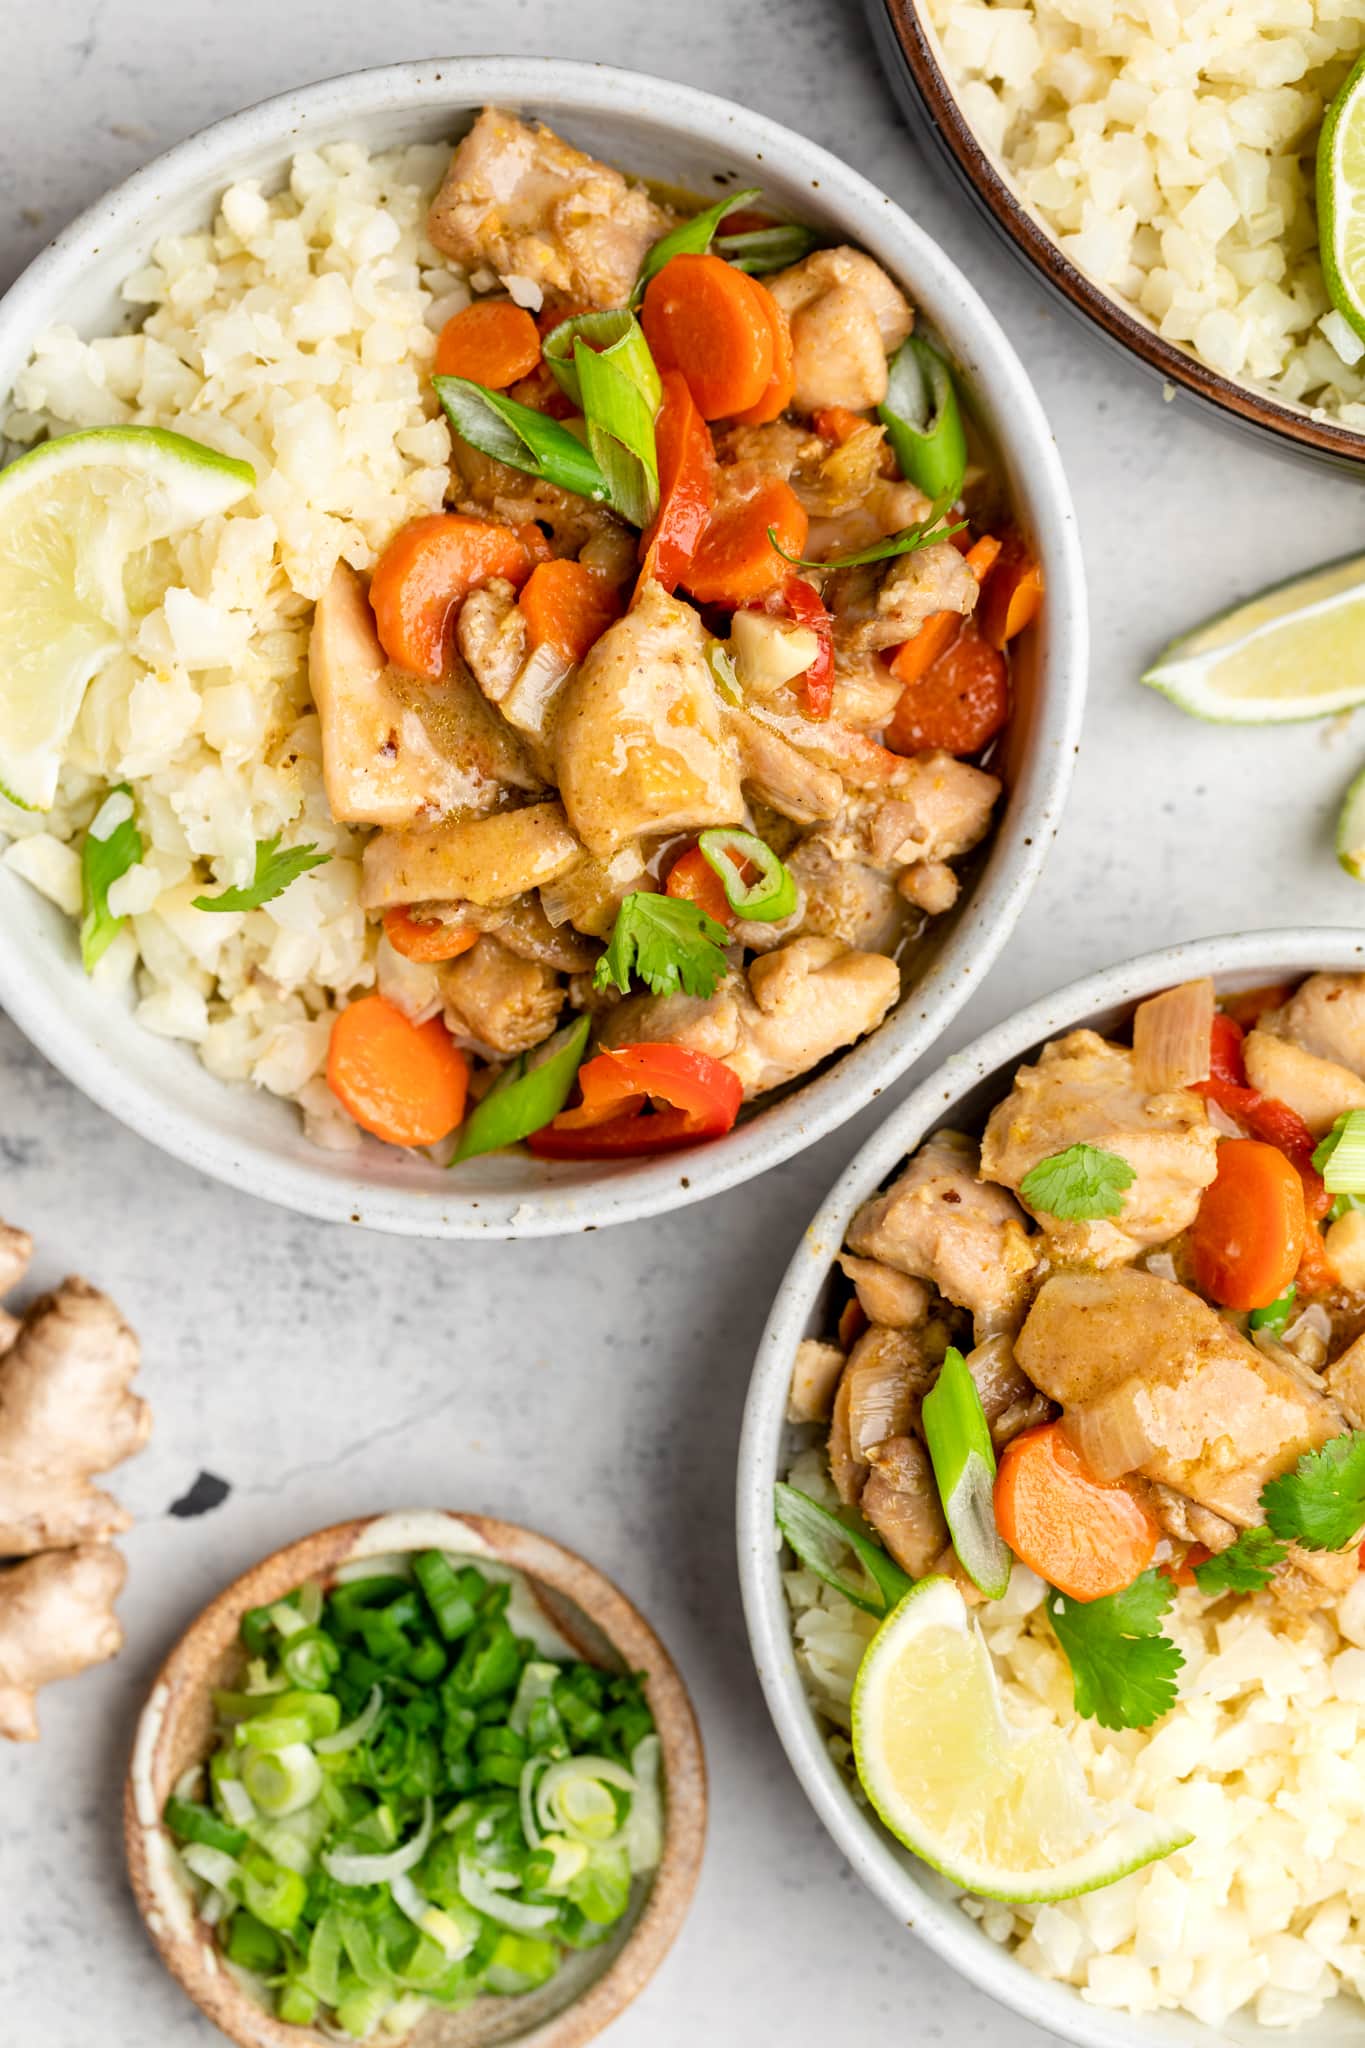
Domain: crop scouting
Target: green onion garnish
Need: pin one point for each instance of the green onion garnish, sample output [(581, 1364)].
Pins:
[(691, 237), (112, 845), (1340, 1158), (923, 422), (195, 1823), (619, 337), (727, 851), (1274, 1317), (821, 1540), (519, 436), (761, 250), (528, 1093), (963, 1459), (619, 413)]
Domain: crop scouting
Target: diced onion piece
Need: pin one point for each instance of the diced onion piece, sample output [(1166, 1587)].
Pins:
[(1314, 1319), (1172, 1034), (644, 1831), (354, 1731), (1110, 1433), (478, 1892), (348, 1868), (281, 1781), (1162, 1265), (768, 651)]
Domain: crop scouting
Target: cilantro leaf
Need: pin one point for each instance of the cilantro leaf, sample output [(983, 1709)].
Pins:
[(1321, 1503), (276, 868), (1079, 1184), (112, 846), (667, 943), (1122, 1667), (1245, 1566)]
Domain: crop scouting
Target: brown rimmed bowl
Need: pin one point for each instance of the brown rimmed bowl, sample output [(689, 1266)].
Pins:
[(596, 1623), (909, 49)]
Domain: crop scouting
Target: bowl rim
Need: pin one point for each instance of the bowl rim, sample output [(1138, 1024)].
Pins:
[(192, 1956), (1017, 849), (1248, 405), (910, 1891)]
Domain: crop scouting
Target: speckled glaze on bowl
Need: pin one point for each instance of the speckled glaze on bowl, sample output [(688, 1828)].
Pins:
[(909, 49), (961, 1094), (594, 1621), (685, 138)]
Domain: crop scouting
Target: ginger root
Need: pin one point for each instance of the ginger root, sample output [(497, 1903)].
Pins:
[(66, 1411)]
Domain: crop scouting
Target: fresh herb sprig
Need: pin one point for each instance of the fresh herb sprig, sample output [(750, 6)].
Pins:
[(668, 943), (1078, 1185), (1123, 1668), (276, 868)]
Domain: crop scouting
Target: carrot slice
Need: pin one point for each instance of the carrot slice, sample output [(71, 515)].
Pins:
[(687, 485), (913, 658), (837, 423), (1085, 1536), (960, 704), (491, 342), (736, 563), (1011, 599), (701, 317), (430, 941), (693, 878), (777, 394), (426, 571), (569, 605), (1249, 1236), (405, 1082)]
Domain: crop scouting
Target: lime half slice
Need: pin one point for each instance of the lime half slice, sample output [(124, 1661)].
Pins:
[(1296, 651), (1341, 199), (82, 518), (997, 1811)]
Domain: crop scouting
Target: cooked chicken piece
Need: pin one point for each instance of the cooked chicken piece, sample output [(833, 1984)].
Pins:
[(590, 894), (1196, 1406), (1009, 1400), (815, 1380), (935, 808), (846, 1469), (884, 1295), (1083, 1091), (496, 1002), (846, 317), (488, 488), (806, 1000), (916, 586), (865, 693), (524, 203), (397, 749), (1344, 1380), (889, 506), (930, 885), (525, 930), (484, 860), (887, 1376), (1325, 1015), (938, 1222), (773, 772), (780, 449), (900, 1500), (1185, 1520), (701, 1024), (1345, 1246), (1318, 1089), (639, 743), (491, 634), (846, 899), (1315, 1578)]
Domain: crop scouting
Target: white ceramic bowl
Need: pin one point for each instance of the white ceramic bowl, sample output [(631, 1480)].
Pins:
[(687, 139), (961, 1094)]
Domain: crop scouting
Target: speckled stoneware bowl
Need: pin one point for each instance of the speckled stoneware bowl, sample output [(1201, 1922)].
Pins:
[(573, 1611), (686, 139), (910, 50), (961, 1095)]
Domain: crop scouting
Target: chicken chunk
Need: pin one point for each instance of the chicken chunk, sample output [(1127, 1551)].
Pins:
[(900, 1500), (522, 202), (1084, 1091), (930, 885), (847, 1470), (1319, 1089), (1344, 1380), (639, 744), (846, 899), (1009, 1400), (397, 749), (525, 685), (498, 1003), (884, 1295), (806, 1000), (815, 1380), (935, 808), (939, 1222), (846, 317), (1200, 1409), (865, 694), (916, 586), (525, 930), (575, 525), (776, 773), (887, 1377), (707, 1024), (1326, 1016), (480, 860)]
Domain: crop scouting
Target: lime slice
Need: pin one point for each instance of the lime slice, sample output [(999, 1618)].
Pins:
[(1351, 829), (82, 523), (1341, 199), (997, 1811), (1296, 651)]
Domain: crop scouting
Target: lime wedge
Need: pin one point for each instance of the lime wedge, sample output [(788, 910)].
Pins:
[(1351, 829), (1341, 199), (998, 1812), (82, 518), (1296, 651)]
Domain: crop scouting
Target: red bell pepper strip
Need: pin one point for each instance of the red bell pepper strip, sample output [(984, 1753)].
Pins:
[(687, 486), (703, 1097), (806, 606)]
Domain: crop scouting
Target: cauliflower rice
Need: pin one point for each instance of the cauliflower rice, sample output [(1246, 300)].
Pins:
[(1262, 1758), (298, 334), (1169, 146)]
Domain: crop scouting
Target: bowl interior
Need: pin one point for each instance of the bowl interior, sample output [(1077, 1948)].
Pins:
[(572, 1611), (961, 1096), (685, 139)]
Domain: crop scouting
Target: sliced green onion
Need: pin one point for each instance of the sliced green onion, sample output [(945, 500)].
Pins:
[(573, 1798), (348, 1868), (721, 663), (727, 852), (1340, 1158), (296, 2005), (270, 1891), (282, 1781), (234, 1801), (619, 337), (487, 1899), (519, 1963), (691, 237), (602, 1890), (272, 1731), (360, 2009), (820, 1540), (760, 250), (1274, 1317), (620, 422), (537, 1682), (963, 1458), (567, 1858), (447, 1595), (923, 422), (925, 533), (195, 1823), (213, 1867), (113, 844), (521, 437), (526, 1799), (310, 1658), (512, 1110), (355, 1731), (644, 1832), (285, 1618), (252, 1945)]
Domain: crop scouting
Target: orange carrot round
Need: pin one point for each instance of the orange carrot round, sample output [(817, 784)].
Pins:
[(837, 423), (491, 342), (1085, 1536), (1013, 593), (426, 571), (735, 562), (960, 704), (914, 658), (777, 395), (428, 941), (1249, 1235), (569, 605), (701, 317), (405, 1082), (693, 878)]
